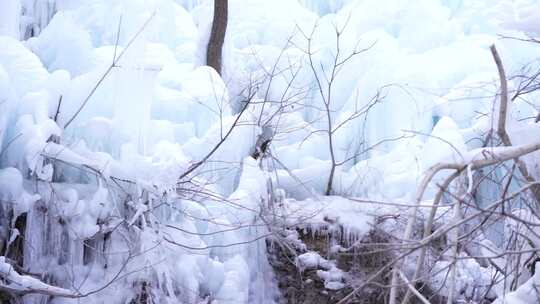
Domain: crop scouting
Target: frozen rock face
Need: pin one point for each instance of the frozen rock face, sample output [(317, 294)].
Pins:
[(130, 172)]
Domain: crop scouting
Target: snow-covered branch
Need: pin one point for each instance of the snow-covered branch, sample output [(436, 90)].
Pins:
[(15, 283)]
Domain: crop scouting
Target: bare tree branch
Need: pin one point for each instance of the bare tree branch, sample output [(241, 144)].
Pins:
[(501, 124)]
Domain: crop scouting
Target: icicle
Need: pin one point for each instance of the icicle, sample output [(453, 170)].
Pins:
[(37, 14)]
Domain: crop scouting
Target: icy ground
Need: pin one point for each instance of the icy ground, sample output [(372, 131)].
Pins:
[(104, 104)]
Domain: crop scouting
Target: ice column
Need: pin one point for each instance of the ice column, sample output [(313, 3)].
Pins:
[(135, 82)]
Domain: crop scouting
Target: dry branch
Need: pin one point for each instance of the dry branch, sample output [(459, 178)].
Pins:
[(501, 125), (476, 159)]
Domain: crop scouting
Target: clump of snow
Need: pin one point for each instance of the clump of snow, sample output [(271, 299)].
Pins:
[(309, 260), (331, 275)]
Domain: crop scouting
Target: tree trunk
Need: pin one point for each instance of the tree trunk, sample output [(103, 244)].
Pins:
[(217, 36)]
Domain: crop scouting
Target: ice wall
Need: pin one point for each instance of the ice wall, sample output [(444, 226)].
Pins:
[(11, 18), (159, 111)]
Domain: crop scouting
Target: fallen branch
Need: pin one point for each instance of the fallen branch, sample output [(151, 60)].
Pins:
[(15, 283)]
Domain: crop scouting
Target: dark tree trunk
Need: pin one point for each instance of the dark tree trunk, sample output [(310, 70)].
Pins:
[(217, 36)]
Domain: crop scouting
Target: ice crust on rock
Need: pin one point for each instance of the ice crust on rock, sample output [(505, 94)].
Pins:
[(160, 111)]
